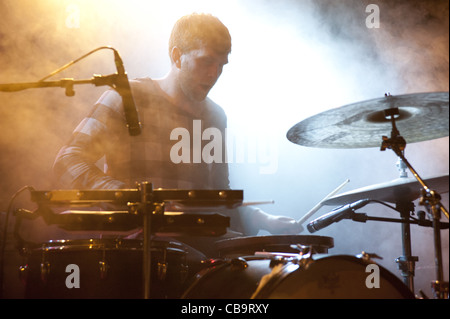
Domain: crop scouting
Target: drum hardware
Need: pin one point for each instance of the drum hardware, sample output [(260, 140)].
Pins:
[(146, 209), (421, 117), (277, 263), (406, 263), (152, 209), (368, 256), (23, 273), (184, 272), (162, 270), (45, 271), (44, 266), (401, 168), (273, 276), (330, 283), (306, 250), (238, 263), (108, 269), (247, 246), (430, 199), (132, 198), (103, 267), (277, 259)]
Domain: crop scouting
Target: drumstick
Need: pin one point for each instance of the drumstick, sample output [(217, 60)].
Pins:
[(319, 205), (257, 203)]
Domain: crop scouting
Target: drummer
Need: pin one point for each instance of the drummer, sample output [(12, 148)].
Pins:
[(199, 46)]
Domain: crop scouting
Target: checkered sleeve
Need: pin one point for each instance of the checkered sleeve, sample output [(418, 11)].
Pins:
[(76, 163)]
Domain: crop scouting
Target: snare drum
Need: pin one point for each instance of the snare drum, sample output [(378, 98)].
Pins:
[(320, 277), (243, 246), (107, 268)]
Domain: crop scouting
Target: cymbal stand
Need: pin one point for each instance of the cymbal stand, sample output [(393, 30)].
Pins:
[(407, 262), (146, 255), (430, 199), (150, 209), (402, 168)]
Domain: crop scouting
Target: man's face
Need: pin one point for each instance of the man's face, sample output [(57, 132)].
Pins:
[(199, 71)]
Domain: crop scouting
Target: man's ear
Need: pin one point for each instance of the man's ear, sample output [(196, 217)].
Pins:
[(175, 54)]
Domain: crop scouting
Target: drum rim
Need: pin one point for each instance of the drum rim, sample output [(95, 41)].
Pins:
[(107, 244), (244, 245)]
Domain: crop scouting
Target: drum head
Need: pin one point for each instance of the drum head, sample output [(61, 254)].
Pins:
[(334, 277), (320, 277)]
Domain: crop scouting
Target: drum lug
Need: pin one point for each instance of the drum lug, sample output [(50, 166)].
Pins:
[(277, 260), (23, 273), (45, 271), (238, 263), (162, 270), (368, 256), (304, 250), (184, 273), (103, 267)]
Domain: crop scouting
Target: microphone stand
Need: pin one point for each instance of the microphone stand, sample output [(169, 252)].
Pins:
[(407, 261), (430, 199), (118, 82), (67, 83)]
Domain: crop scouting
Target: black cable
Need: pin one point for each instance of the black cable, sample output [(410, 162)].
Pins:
[(394, 208), (385, 204), (77, 60)]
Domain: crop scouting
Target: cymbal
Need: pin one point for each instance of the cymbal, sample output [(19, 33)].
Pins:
[(422, 117), (404, 189)]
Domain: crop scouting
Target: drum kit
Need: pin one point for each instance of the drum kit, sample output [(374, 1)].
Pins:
[(295, 266)]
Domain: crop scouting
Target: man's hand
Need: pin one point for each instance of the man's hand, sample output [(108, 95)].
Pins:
[(282, 225)]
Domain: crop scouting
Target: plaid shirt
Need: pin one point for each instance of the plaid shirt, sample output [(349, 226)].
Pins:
[(146, 157)]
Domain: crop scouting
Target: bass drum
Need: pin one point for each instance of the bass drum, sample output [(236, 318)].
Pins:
[(320, 277), (107, 268)]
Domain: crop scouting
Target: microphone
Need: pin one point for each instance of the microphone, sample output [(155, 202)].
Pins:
[(123, 88), (336, 215)]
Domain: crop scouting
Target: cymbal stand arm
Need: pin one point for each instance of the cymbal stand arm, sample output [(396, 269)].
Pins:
[(398, 144)]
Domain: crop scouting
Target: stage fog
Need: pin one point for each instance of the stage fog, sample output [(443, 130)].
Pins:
[(290, 60)]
